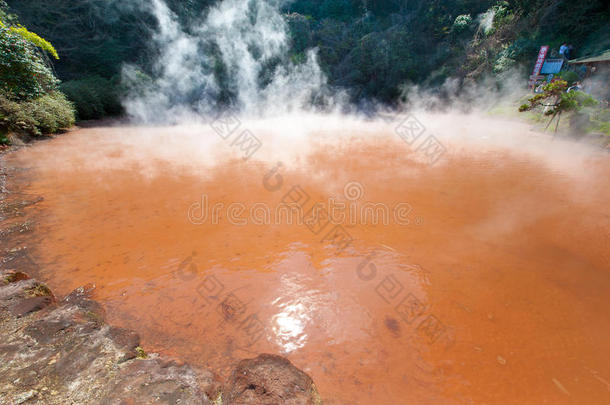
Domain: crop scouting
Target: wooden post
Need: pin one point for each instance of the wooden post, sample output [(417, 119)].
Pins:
[(551, 120), (557, 124)]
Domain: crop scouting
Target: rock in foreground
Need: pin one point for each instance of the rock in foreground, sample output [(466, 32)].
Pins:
[(62, 352), (270, 380)]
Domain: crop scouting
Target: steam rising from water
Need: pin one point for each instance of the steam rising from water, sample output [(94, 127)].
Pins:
[(236, 55)]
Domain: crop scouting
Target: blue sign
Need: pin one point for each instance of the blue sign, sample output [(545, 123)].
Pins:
[(552, 66)]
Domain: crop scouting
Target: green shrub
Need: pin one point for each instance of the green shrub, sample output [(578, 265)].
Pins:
[(23, 73), (504, 60), (569, 76), (46, 114), (3, 137), (462, 22), (94, 97), (35, 40), (29, 100), (600, 121)]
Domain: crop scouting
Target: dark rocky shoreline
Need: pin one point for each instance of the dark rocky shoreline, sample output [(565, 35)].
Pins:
[(61, 350)]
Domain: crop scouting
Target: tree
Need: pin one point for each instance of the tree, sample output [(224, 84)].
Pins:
[(24, 72), (29, 99), (557, 101)]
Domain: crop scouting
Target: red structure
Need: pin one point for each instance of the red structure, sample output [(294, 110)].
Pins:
[(538, 66)]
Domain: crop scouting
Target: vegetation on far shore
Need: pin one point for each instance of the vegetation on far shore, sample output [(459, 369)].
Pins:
[(583, 112), (30, 101), (371, 49)]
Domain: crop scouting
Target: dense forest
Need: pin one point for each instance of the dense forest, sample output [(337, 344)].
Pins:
[(370, 48)]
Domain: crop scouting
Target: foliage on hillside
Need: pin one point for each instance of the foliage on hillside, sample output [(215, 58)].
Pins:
[(29, 99), (373, 47), (94, 38), (94, 96), (46, 114), (370, 47), (34, 39), (23, 72)]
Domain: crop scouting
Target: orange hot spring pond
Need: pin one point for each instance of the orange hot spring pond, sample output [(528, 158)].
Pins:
[(481, 279)]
